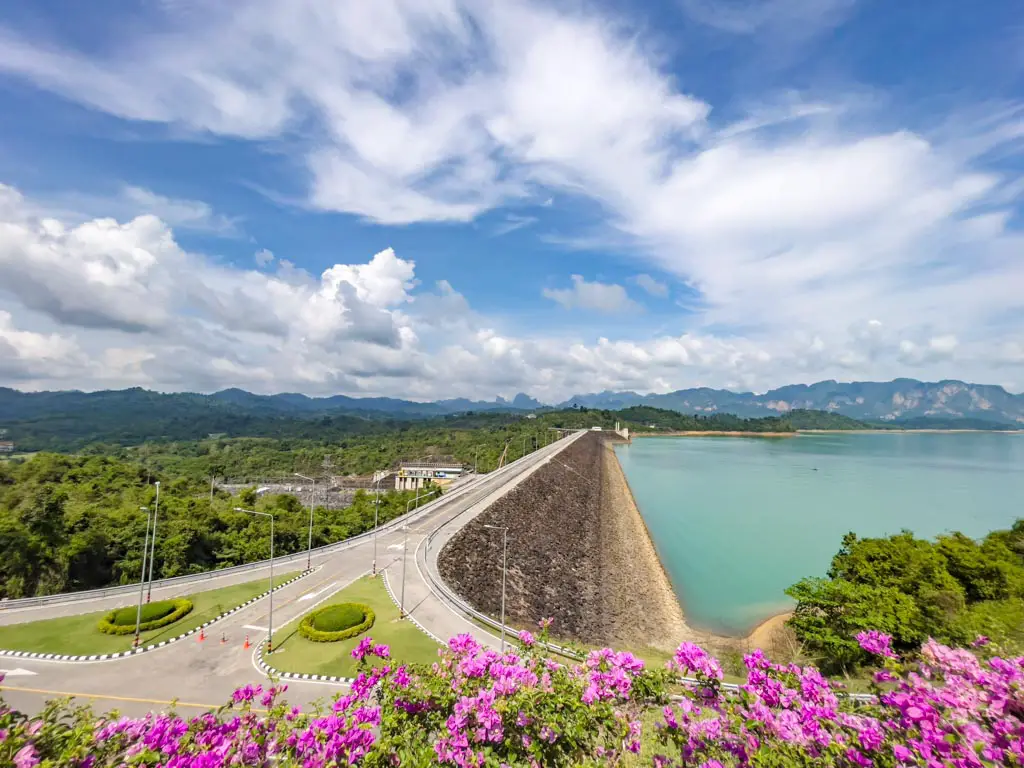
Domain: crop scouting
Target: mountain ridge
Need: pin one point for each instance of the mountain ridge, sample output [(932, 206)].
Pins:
[(886, 402)]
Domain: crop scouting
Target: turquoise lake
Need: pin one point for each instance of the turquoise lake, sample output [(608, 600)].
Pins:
[(737, 520)]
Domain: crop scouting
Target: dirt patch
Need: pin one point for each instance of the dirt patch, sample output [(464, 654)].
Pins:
[(578, 551)]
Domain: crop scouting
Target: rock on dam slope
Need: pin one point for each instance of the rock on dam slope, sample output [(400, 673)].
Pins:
[(578, 551)]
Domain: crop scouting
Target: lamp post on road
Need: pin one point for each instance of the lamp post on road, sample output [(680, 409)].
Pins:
[(309, 543), (405, 546), (142, 579), (504, 574), (418, 497), (270, 620), (152, 554), (376, 514)]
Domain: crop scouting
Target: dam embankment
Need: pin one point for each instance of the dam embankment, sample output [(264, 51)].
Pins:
[(578, 552)]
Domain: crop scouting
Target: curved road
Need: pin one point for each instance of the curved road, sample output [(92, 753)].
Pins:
[(203, 675)]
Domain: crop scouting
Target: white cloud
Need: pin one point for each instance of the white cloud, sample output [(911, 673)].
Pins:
[(130, 201), (749, 17), (609, 298), (367, 328), (263, 257), (799, 225), (654, 287)]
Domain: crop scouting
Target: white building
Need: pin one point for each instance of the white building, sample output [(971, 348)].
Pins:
[(413, 475)]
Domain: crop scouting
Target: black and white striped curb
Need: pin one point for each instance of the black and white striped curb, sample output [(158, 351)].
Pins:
[(278, 674), (424, 630), (154, 646)]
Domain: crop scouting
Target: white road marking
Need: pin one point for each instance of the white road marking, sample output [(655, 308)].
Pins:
[(17, 672), (394, 546), (253, 626), (311, 595)]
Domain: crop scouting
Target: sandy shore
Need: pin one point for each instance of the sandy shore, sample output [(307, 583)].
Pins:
[(771, 635), (699, 433)]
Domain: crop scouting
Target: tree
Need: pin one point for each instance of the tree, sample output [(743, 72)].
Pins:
[(830, 612)]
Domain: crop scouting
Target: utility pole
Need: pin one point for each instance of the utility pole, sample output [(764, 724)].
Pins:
[(152, 554), (212, 478)]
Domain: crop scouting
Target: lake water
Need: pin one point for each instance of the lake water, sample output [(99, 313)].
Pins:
[(737, 520)]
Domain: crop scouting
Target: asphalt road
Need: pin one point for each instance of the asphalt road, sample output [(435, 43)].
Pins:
[(202, 675)]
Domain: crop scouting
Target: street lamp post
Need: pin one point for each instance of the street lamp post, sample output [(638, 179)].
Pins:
[(152, 554), (376, 516), (504, 574), (142, 579), (270, 620), (405, 546), (309, 543)]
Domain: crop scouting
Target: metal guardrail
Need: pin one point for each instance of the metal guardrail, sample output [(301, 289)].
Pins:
[(456, 602), (94, 594)]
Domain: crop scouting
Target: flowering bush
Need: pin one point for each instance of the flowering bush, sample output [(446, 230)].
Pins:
[(478, 707)]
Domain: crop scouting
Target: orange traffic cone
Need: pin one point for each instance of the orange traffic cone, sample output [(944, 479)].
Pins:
[(202, 636), (223, 639), (247, 645)]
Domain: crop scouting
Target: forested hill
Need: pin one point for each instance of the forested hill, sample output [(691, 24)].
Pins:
[(74, 421)]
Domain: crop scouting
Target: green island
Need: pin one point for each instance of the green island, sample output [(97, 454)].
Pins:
[(81, 636), (293, 652)]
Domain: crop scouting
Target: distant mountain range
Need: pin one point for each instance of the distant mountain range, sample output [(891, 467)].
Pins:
[(902, 401), (896, 401)]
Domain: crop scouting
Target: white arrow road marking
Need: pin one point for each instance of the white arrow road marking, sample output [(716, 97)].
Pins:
[(394, 546), (253, 626), (311, 595), (17, 672)]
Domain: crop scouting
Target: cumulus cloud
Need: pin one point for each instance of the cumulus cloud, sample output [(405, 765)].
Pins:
[(609, 298), (263, 257)]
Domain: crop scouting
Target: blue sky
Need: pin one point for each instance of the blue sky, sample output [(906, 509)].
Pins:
[(576, 196)]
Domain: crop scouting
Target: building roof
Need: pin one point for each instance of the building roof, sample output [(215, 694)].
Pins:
[(443, 464)]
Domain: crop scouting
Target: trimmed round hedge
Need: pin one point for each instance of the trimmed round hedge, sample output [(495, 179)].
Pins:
[(336, 622), (154, 616)]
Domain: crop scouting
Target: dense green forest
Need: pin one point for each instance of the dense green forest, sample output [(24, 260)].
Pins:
[(800, 418), (952, 589), (71, 523)]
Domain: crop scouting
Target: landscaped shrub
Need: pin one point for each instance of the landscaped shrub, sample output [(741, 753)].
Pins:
[(150, 612), (337, 618), (154, 616), (336, 622)]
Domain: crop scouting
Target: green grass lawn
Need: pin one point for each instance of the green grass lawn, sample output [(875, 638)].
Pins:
[(294, 653), (78, 635)]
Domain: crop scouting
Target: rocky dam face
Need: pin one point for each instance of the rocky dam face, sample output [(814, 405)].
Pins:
[(577, 552)]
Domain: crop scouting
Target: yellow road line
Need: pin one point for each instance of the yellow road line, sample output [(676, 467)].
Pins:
[(114, 698)]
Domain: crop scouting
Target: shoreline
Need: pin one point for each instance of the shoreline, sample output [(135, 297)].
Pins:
[(642, 605), (766, 635), (712, 433), (911, 431)]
